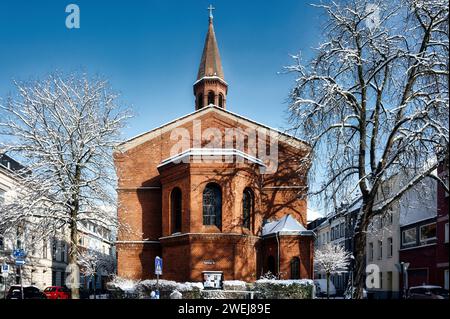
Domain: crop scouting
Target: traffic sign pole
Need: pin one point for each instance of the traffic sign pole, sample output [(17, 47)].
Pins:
[(158, 272)]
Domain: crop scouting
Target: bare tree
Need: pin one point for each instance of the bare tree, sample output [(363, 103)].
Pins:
[(373, 103), (331, 259), (63, 128), (92, 263)]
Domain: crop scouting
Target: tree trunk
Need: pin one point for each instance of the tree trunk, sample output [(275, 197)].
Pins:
[(360, 264), (73, 256), (328, 285)]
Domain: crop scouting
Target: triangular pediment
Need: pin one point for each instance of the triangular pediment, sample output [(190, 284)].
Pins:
[(223, 115)]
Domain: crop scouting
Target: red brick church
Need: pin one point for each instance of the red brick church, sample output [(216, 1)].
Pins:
[(213, 191)]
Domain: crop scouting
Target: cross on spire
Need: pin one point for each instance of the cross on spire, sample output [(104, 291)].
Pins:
[(211, 8)]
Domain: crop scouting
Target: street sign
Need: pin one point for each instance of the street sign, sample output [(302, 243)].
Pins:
[(5, 268), (158, 265), (20, 262), (19, 253)]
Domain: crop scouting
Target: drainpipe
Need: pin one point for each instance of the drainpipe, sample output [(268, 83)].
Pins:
[(278, 259)]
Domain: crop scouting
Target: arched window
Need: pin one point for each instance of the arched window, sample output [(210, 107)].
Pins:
[(212, 205), (271, 264), (211, 97), (295, 268), (247, 208), (175, 207), (200, 101), (220, 100)]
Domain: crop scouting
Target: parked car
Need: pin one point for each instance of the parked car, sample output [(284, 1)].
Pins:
[(321, 288), (427, 292), (57, 292), (29, 292)]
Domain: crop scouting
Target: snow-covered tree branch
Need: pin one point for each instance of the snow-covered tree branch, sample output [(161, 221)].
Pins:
[(331, 259), (63, 128), (373, 102)]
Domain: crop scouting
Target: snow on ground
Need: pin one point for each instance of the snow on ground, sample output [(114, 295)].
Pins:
[(288, 282)]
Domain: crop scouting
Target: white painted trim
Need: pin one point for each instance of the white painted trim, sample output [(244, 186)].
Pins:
[(140, 188), (210, 152), (285, 187), (417, 247), (213, 77), (137, 242), (209, 234)]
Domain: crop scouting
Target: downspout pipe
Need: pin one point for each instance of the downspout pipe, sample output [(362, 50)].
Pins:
[(278, 259)]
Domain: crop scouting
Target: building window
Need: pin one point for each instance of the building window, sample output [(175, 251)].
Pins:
[(200, 101), (2, 196), (427, 233), (211, 97), (446, 233), (247, 208), (63, 252), (370, 251), (446, 278), (380, 249), (63, 279), (409, 237), (212, 205), (220, 100), (175, 206), (271, 264), (44, 249), (342, 230), (2, 243), (390, 247), (54, 249), (295, 268), (54, 278), (33, 246)]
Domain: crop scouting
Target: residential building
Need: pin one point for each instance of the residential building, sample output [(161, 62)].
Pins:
[(46, 257), (442, 232)]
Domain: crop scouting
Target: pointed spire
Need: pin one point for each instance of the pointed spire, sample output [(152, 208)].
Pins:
[(210, 64)]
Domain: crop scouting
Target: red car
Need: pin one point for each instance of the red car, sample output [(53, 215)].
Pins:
[(57, 292)]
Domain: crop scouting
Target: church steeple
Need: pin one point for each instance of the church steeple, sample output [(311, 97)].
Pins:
[(210, 87)]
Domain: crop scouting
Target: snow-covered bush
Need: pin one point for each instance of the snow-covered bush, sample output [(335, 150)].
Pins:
[(233, 289), (283, 289), (235, 285)]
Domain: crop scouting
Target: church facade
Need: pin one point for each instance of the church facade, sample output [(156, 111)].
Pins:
[(213, 191)]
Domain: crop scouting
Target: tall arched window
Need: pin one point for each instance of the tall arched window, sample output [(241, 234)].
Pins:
[(175, 207), (212, 205), (211, 97), (220, 100), (271, 265), (247, 208), (295, 268), (199, 101)]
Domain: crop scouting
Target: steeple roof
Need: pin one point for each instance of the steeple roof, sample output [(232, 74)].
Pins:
[(210, 65)]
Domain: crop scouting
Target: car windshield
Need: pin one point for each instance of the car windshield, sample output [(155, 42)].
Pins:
[(50, 289)]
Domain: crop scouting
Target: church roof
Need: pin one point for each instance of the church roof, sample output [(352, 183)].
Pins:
[(287, 225), (210, 64), (144, 137)]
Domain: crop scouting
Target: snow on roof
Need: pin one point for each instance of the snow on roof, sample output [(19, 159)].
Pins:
[(210, 152), (286, 225)]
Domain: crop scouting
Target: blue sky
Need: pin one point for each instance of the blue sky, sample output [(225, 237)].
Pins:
[(150, 50)]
